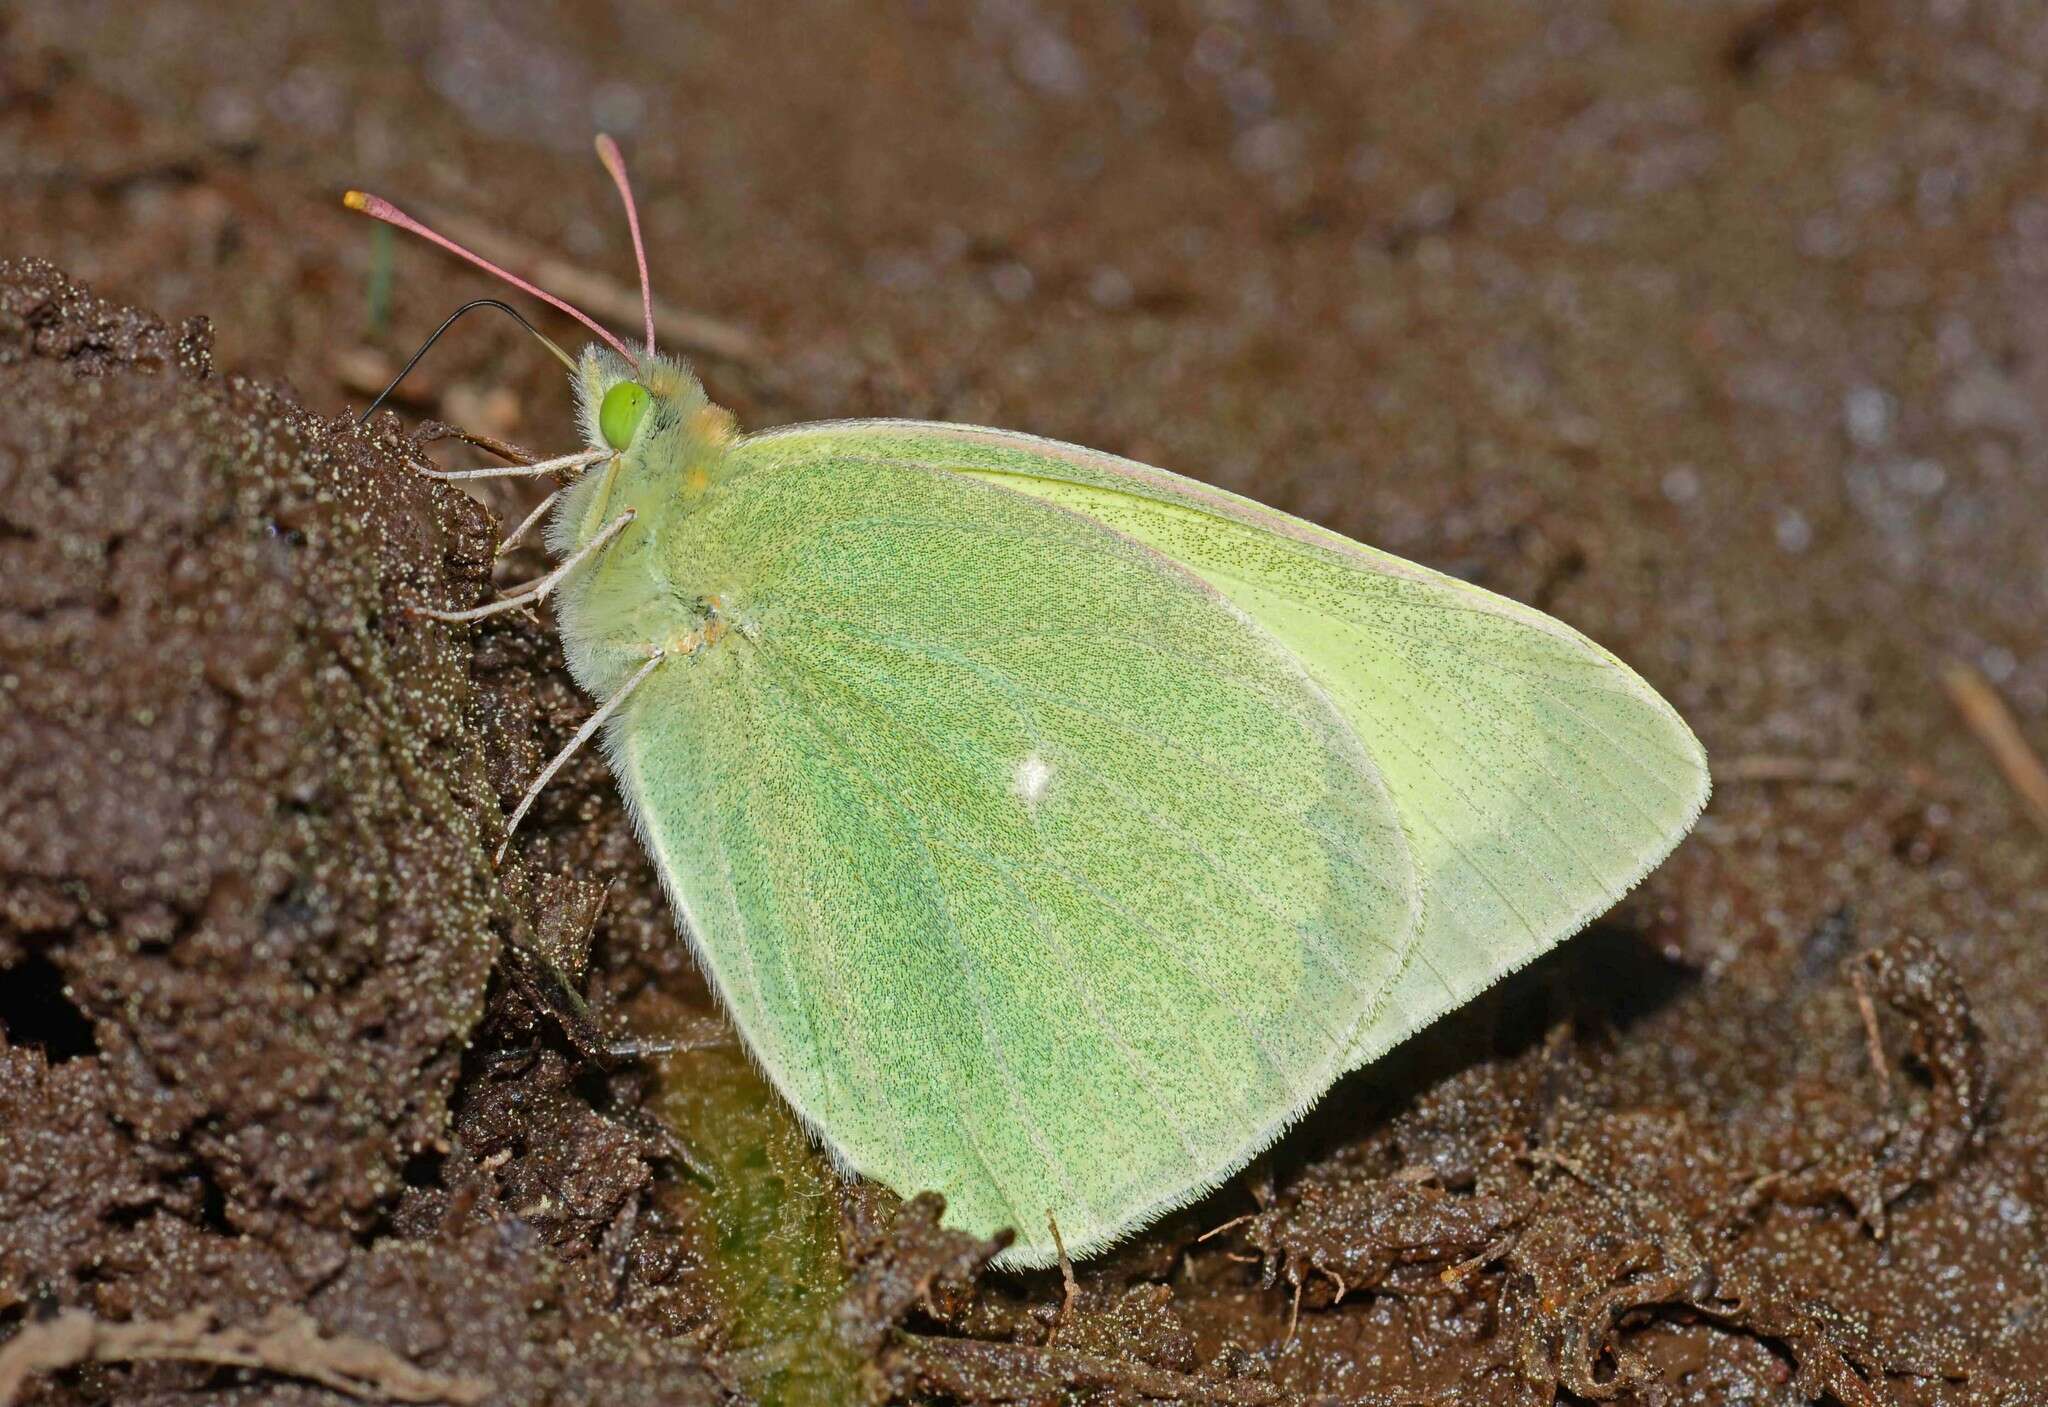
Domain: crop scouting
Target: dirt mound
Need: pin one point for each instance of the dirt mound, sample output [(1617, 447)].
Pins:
[(248, 921)]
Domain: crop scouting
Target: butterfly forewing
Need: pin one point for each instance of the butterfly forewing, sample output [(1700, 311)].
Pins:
[(1032, 869), (1537, 778)]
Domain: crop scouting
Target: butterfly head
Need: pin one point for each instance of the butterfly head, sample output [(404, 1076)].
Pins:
[(646, 409), (625, 407), (620, 391)]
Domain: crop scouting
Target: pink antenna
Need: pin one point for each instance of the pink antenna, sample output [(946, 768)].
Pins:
[(378, 208), (615, 163)]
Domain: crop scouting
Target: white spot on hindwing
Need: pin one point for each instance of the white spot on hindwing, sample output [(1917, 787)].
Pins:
[(1033, 776)]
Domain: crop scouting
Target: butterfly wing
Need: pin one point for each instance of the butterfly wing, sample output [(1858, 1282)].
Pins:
[(1536, 777), (1030, 868)]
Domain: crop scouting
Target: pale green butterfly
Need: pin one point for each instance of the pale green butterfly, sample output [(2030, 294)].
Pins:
[(1056, 829)]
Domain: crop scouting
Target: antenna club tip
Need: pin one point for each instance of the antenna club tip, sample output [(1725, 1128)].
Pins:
[(608, 150), (355, 200)]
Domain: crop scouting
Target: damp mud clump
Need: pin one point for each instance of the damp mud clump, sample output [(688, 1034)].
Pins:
[(302, 1099), (248, 924)]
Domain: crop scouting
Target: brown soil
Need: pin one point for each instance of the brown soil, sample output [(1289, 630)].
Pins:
[(1716, 330)]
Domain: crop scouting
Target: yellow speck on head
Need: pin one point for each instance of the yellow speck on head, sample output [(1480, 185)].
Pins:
[(702, 638), (696, 480), (714, 424)]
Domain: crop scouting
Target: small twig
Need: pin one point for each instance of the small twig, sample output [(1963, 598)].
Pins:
[(1769, 768), (1873, 1039), (605, 298), (1234, 1221), (285, 1341), (1551, 1157), (1454, 1275), (1069, 1288), (1986, 715)]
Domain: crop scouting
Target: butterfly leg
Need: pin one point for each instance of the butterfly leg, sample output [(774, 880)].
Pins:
[(521, 471), (512, 539), (583, 735), (540, 586)]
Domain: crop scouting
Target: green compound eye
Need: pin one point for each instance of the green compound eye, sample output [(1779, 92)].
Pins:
[(621, 412)]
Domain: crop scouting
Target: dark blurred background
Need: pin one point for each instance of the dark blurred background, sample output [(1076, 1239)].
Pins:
[(1738, 277)]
